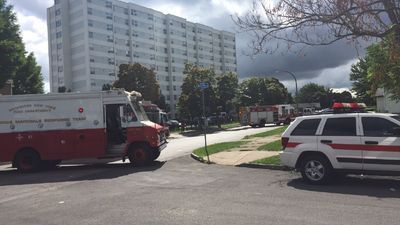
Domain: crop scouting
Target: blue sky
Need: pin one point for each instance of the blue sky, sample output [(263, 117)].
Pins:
[(328, 65)]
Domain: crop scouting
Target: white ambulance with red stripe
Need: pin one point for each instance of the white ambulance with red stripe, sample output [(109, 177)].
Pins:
[(322, 145), (37, 130)]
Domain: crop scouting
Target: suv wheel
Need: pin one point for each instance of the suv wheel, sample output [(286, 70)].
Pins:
[(315, 169)]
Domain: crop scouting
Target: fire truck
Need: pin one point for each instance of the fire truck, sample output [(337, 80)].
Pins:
[(156, 115), (37, 130), (258, 115)]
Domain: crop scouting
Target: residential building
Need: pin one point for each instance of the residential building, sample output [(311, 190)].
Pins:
[(89, 39), (384, 102)]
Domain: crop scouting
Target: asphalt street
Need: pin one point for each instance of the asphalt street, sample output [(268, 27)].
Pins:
[(184, 191), (179, 190)]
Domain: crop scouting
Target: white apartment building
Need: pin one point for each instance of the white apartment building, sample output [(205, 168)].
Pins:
[(89, 39)]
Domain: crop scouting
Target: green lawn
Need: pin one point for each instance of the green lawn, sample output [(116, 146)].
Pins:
[(218, 147), (272, 146), (273, 160), (230, 125), (277, 131)]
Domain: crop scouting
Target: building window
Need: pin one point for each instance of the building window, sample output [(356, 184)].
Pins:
[(90, 34), (175, 97), (58, 12), (58, 23), (59, 46), (167, 88), (58, 35), (109, 16), (108, 4), (90, 11), (174, 89), (92, 71), (60, 69), (56, 2)]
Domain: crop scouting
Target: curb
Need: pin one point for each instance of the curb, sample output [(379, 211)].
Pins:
[(264, 166), (198, 158)]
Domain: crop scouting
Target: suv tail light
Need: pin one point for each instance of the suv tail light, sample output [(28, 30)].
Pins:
[(284, 142)]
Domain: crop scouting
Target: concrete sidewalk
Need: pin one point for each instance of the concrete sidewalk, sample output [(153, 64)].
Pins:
[(246, 153)]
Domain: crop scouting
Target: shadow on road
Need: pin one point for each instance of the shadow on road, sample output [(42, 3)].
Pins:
[(379, 187), (74, 173)]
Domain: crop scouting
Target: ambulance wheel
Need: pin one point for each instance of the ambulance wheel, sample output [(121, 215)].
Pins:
[(27, 160), (156, 154), (316, 169), (139, 155)]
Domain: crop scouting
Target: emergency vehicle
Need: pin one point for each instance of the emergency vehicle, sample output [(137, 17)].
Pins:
[(38, 130), (348, 141), (258, 115), (156, 115)]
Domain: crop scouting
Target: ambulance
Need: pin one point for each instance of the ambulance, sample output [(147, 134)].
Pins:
[(38, 130)]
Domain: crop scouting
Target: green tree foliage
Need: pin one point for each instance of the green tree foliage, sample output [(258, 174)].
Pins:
[(344, 96), (313, 92), (161, 103), (190, 101), (28, 78), (361, 83), (106, 87), (262, 91), (384, 67), (12, 49), (135, 77), (227, 85)]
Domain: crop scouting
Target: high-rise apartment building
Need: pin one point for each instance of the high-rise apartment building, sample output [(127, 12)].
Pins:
[(89, 39)]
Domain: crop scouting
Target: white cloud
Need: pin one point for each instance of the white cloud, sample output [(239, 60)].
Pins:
[(34, 35)]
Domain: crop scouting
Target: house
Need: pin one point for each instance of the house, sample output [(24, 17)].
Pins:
[(384, 104)]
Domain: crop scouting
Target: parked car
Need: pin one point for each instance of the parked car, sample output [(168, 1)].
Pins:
[(173, 124), (320, 146)]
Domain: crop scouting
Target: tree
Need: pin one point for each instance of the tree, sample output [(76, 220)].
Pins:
[(12, 49), (313, 92), (161, 103), (320, 22), (28, 78), (227, 85), (62, 89), (135, 77), (106, 87), (344, 96), (361, 83), (262, 91), (384, 67), (190, 101)]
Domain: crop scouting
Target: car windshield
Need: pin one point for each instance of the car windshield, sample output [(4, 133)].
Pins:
[(140, 113)]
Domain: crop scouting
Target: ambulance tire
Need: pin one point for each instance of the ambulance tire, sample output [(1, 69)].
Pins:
[(156, 154), (316, 169), (27, 160), (262, 123), (140, 155)]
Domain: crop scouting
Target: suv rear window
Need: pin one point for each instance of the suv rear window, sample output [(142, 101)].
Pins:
[(306, 128), (378, 127), (345, 126)]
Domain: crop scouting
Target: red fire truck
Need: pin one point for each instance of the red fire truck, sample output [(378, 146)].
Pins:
[(258, 115), (38, 130)]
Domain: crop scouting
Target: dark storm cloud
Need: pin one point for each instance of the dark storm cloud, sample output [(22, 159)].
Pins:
[(311, 64)]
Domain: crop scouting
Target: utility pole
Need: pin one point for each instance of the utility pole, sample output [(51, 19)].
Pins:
[(203, 86)]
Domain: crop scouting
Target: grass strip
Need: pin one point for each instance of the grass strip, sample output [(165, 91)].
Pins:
[(215, 148), (230, 125), (277, 131), (272, 146), (273, 160)]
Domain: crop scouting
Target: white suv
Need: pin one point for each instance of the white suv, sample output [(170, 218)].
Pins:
[(320, 145)]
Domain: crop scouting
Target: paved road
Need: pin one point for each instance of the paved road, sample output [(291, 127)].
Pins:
[(183, 191)]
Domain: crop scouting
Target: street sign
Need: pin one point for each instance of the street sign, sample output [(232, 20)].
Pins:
[(203, 85)]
